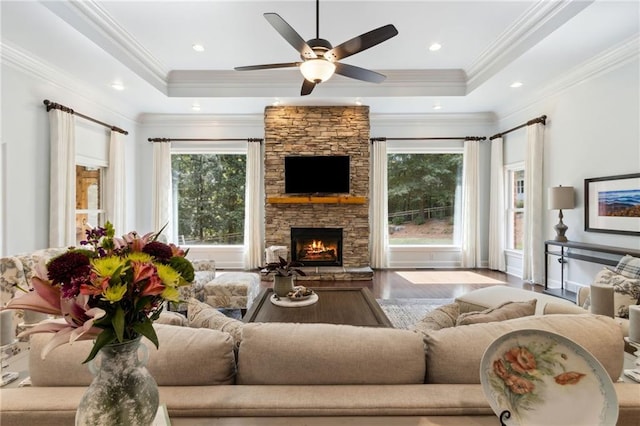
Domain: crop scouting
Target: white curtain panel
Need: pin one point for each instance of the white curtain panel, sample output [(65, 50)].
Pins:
[(162, 195), (470, 207), (115, 188), (62, 206), (379, 244), (497, 208), (254, 208), (533, 251)]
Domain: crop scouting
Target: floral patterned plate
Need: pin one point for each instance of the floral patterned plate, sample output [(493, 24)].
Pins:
[(542, 378)]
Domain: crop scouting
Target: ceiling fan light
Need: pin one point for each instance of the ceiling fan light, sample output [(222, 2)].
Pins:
[(317, 70)]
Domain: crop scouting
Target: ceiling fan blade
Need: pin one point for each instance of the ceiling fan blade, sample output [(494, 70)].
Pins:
[(307, 87), (268, 66), (358, 73), (289, 34), (362, 42)]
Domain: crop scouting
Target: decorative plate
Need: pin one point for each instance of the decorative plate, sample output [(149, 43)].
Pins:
[(542, 378), (297, 303)]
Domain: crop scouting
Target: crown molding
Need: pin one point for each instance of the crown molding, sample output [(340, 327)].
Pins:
[(402, 120), (535, 24), (33, 66), (606, 62), (96, 24)]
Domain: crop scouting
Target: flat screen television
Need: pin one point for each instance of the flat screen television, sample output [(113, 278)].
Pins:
[(328, 174)]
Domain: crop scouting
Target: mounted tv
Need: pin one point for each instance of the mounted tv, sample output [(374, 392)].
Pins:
[(327, 174)]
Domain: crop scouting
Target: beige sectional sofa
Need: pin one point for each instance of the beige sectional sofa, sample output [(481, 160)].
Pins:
[(315, 374)]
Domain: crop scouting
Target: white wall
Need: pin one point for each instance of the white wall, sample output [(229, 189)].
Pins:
[(25, 168), (592, 130)]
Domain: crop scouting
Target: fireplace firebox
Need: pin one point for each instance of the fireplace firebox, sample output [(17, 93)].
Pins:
[(317, 246)]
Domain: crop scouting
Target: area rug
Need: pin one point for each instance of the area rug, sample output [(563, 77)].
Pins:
[(404, 313), (446, 277)]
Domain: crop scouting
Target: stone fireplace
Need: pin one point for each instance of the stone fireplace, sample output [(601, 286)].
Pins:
[(319, 130), (317, 246)]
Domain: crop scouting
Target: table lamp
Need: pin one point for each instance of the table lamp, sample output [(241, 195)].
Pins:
[(561, 197)]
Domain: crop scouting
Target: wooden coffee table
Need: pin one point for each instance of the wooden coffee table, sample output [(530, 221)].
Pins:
[(340, 305)]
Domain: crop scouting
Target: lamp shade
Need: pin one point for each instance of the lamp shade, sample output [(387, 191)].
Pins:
[(561, 197), (317, 70)]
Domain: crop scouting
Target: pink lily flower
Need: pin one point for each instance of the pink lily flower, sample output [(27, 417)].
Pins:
[(142, 271), (43, 298), (154, 287), (134, 241)]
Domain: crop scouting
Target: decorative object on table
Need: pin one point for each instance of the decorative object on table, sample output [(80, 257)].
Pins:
[(626, 291), (111, 291), (561, 197), (298, 297), (283, 275), (535, 377), (7, 330), (634, 323), (612, 204), (602, 300)]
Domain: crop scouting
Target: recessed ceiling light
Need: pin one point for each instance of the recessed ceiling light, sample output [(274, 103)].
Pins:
[(276, 102), (358, 102), (195, 107), (516, 84), (437, 106), (198, 47), (435, 47), (116, 85)]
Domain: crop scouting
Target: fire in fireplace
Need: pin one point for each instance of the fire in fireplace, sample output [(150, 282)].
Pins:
[(317, 246)]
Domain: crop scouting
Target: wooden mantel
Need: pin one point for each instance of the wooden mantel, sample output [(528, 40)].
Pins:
[(317, 200)]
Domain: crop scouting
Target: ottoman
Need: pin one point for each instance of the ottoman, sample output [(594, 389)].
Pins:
[(490, 297), (232, 290)]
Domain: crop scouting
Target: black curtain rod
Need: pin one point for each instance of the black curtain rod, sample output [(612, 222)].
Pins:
[(542, 119), (205, 140), (465, 138), (52, 105)]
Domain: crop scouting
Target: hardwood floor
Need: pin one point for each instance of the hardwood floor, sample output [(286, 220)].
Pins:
[(386, 284)]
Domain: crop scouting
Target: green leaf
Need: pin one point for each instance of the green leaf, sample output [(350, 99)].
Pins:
[(146, 329), (106, 337), (118, 324)]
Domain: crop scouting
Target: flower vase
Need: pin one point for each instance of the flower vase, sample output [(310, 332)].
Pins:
[(282, 285), (123, 392)]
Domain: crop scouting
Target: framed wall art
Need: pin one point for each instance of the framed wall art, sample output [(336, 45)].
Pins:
[(612, 204)]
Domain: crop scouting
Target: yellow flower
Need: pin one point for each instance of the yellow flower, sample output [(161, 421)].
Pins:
[(138, 256), (107, 266), (169, 276), (115, 293), (171, 294)]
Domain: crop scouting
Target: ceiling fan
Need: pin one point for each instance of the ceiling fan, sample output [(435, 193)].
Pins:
[(320, 58)]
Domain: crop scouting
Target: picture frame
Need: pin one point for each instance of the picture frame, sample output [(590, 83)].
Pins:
[(612, 204)]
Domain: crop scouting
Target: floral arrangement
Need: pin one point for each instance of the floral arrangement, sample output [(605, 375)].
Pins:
[(110, 290)]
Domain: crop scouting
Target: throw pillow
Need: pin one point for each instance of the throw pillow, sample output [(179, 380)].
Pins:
[(629, 266), (441, 317), (506, 311), (201, 315), (626, 291)]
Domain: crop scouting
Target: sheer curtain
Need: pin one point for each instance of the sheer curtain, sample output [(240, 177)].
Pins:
[(162, 192), (115, 188), (533, 256), (62, 205), (497, 208), (254, 208), (470, 210), (379, 245)]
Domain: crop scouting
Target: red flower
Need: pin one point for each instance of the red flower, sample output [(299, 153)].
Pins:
[(521, 359), (519, 385)]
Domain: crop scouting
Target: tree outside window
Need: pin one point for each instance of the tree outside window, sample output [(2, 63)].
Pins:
[(423, 197), (209, 192), (515, 207)]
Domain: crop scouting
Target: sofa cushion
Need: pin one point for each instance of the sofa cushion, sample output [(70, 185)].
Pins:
[(506, 311), (626, 291), (328, 354), (201, 315), (441, 317), (490, 297), (629, 266), (187, 356), (454, 354)]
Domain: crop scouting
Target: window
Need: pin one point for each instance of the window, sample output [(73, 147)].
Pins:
[(424, 196), (208, 196), (515, 206), (89, 199)]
